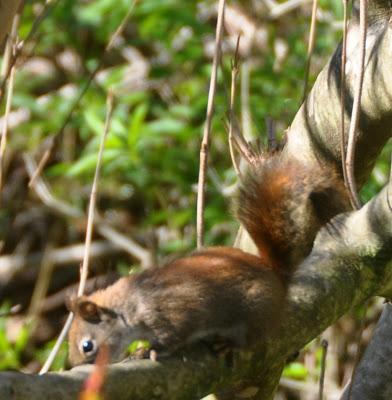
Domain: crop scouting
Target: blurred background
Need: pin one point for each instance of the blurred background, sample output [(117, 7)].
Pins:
[(158, 70)]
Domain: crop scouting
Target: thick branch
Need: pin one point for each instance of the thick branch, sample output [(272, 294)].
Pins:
[(315, 131)]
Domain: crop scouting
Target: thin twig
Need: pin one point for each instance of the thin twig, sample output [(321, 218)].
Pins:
[(93, 196), (55, 138), (49, 361), (89, 232), (324, 346), (242, 145), (4, 131), (312, 39), (343, 91), (246, 116), (352, 134), (234, 75), (14, 264), (10, 50), (19, 49), (10, 46), (207, 127), (283, 8), (271, 135), (41, 286)]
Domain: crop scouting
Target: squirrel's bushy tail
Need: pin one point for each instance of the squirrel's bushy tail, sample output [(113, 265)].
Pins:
[(282, 204)]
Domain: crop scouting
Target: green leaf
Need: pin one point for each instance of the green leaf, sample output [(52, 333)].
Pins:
[(135, 128), (139, 344), (87, 163), (295, 370)]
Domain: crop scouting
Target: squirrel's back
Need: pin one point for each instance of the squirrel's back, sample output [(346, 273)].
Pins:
[(282, 204)]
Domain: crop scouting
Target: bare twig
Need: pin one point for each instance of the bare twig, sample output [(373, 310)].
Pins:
[(55, 138), (10, 46), (41, 286), (350, 159), (280, 9), (246, 116), (312, 39), (19, 49), (234, 75), (207, 127), (4, 131), (271, 135), (93, 197), (89, 232), (324, 346), (242, 145), (10, 50), (343, 91), (56, 347), (10, 265), (130, 246)]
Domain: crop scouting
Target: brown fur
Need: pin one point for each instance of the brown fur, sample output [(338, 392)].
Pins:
[(283, 204), (218, 292)]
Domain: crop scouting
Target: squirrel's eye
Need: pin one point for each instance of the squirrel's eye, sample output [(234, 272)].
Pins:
[(87, 346)]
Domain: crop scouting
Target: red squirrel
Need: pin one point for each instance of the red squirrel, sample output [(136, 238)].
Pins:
[(217, 292)]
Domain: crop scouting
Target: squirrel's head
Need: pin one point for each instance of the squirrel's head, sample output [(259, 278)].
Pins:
[(93, 327)]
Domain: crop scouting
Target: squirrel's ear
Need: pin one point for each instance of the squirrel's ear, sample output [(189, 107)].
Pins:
[(89, 311)]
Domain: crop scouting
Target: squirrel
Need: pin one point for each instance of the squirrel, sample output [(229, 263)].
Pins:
[(217, 292)]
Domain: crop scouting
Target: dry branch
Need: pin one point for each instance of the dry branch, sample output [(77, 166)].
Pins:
[(352, 133), (89, 234), (234, 75), (312, 40), (207, 126), (12, 265)]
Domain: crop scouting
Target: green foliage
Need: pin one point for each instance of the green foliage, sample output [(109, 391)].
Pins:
[(138, 345), (295, 370), (60, 361), (11, 352), (154, 142), (151, 160)]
